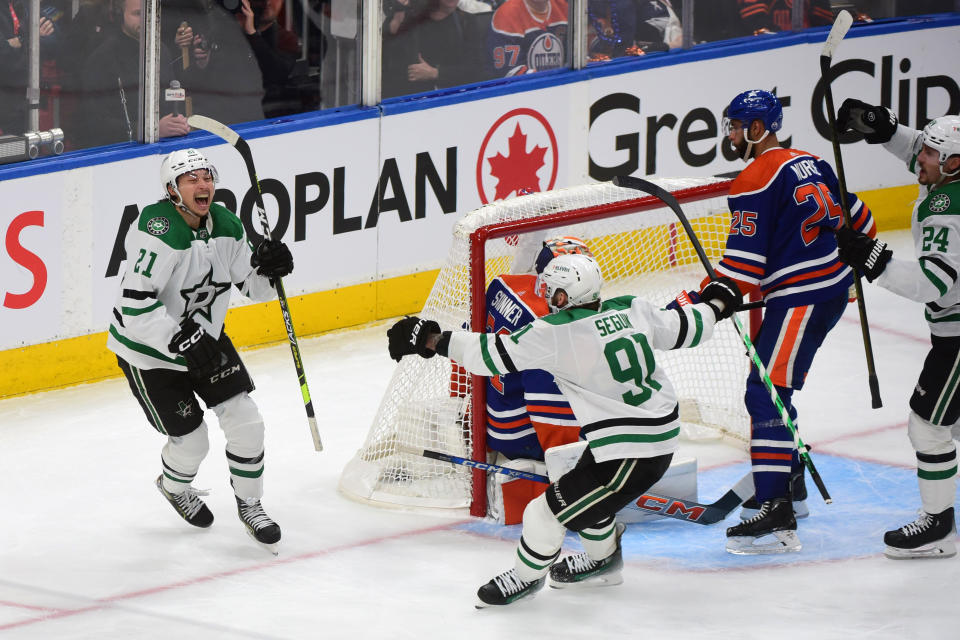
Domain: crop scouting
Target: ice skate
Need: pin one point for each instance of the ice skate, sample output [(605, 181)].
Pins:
[(507, 588), (259, 525), (798, 487), (188, 504), (929, 536), (579, 570), (772, 530)]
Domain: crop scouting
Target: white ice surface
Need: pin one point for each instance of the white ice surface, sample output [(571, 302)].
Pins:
[(88, 549)]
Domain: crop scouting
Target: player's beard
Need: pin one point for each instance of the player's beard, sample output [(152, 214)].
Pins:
[(741, 148)]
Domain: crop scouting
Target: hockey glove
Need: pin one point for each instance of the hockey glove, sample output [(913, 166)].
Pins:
[(865, 254), (723, 296), (877, 124), (272, 259), (198, 348), (410, 336)]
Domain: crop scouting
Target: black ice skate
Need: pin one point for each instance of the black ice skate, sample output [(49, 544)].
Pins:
[(259, 525), (798, 488), (188, 504), (929, 536), (507, 588), (772, 530), (579, 570)]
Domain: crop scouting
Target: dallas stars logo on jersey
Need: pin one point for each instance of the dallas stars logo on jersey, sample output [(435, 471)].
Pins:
[(158, 226), (200, 298), (939, 203)]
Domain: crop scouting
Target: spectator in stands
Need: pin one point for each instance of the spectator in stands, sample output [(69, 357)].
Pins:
[(14, 59), (527, 36), (111, 84), (222, 75), (768, 16), (631, 27), (87, 30), (430, 46)]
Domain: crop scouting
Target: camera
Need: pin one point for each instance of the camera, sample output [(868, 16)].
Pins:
[(235, 6)]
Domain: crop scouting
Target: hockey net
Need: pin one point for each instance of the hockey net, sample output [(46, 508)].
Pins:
[(642, 250)]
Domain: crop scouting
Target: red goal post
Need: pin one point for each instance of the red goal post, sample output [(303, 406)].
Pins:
[(641, 249)]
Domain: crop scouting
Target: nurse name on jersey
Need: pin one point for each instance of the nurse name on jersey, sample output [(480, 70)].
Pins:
[(609, 325), (805, 168)]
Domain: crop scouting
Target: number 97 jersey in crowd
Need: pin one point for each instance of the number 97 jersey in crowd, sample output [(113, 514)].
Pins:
[(782, 206)]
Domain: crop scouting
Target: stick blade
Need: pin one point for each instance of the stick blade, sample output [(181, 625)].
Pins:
[(840, 27), (216, 128)]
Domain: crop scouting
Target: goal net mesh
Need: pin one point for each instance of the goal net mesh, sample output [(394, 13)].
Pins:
[(641, 249)]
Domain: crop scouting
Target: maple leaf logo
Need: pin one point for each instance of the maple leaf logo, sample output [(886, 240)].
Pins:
[(517, 172)]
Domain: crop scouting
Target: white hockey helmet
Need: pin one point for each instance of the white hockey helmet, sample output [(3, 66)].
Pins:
[(558, 246), (180, 162), (577, 274), (943, 135)]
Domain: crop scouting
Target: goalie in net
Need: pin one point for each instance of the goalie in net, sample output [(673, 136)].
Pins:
[(433, 404)]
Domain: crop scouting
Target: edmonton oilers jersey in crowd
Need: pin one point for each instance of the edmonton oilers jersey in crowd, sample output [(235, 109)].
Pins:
[(781, 206), (519, 42), (522, 405)]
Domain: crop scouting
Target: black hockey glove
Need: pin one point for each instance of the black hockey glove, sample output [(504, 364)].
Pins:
[(723, 296), (198, 348), (877, 124), (272, 259), (863, 253), (409, 336)]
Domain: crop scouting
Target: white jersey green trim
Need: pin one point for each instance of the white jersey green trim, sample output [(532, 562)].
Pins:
[(603, 361), (174, 272)]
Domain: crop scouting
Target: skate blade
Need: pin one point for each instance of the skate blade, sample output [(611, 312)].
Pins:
[(273, 548), (605, 580), (941, 549), (480, 604), (778, 542)]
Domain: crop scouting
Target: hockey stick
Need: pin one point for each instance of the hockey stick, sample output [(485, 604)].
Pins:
[(840, 27), (667, 506), (223, 131), (639, 184)]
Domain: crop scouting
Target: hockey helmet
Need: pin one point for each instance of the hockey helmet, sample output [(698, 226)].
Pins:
[(180, 162), (577, 274), (755, 104), (943, 135), (558, 246)]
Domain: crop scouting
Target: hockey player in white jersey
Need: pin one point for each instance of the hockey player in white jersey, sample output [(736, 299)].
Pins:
[(601, 355), (931, 278), (184, 254)]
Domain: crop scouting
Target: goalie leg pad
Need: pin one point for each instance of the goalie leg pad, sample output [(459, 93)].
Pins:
[(936, 463), (243, 428), (540, 543), (181, 458)]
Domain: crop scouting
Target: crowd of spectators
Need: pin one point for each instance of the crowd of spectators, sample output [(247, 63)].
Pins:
[(236, 61)]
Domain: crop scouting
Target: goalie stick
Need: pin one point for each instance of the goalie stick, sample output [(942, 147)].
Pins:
[(667, 506), (226, 133), (629, 182), (840, 27)]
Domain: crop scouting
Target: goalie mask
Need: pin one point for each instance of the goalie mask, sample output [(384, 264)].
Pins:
[(577, 274), (558, 246), (749, 106), (178, 163), (943, 135)]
